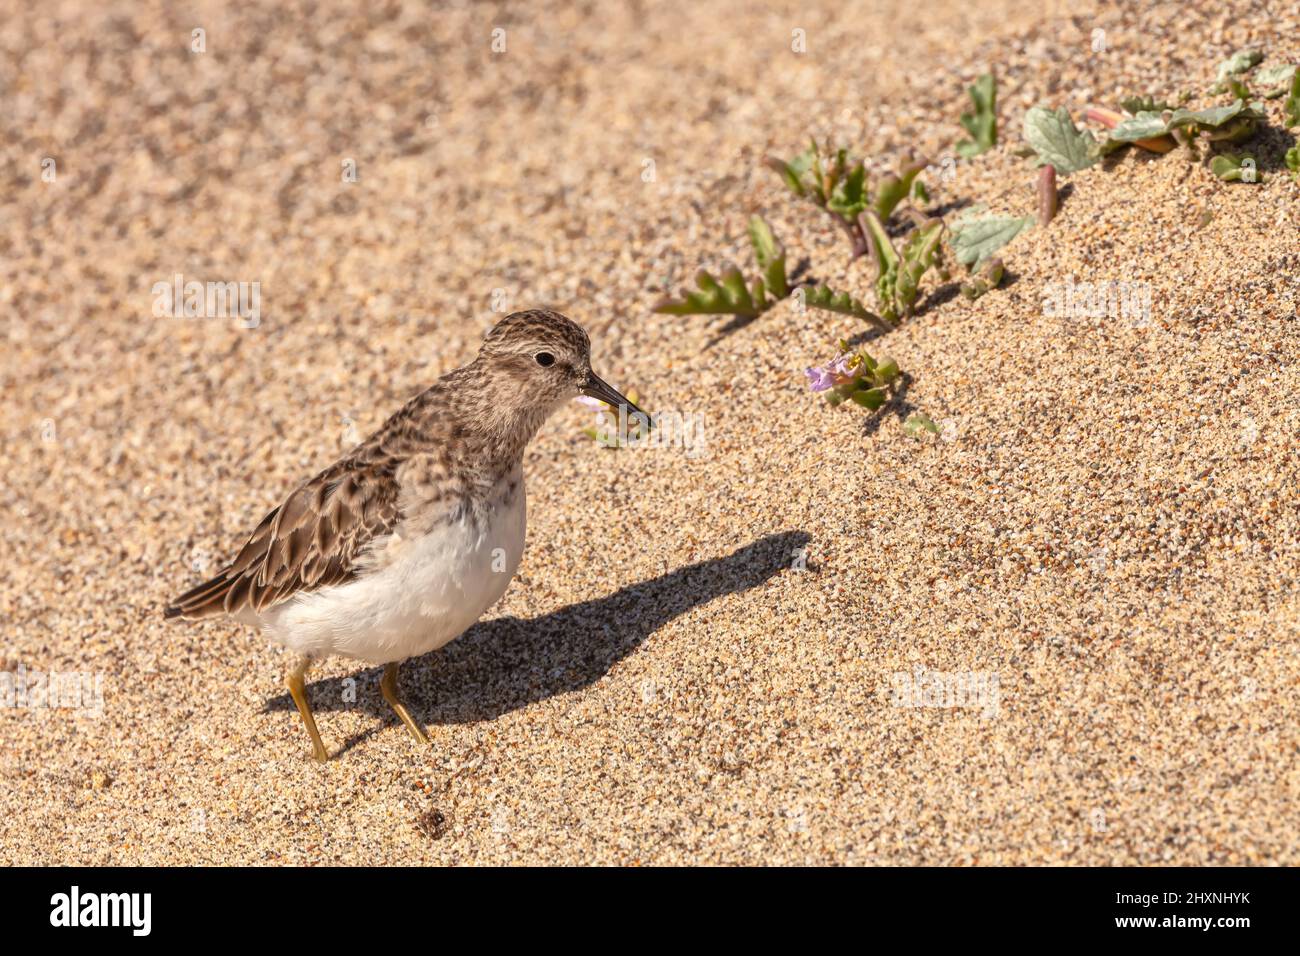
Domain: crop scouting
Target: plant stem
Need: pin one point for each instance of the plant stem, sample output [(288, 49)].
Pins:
[(1047, 195), (856, 239), (1110, 119)]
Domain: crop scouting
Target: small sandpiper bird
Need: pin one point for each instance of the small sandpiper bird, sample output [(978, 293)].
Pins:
[(398, 547)]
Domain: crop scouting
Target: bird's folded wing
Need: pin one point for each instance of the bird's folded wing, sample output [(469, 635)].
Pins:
[(313, 539)]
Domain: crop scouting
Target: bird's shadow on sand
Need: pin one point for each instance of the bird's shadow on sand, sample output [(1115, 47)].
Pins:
[(507, 663)]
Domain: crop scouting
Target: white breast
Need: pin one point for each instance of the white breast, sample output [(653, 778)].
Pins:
[(425, 592)]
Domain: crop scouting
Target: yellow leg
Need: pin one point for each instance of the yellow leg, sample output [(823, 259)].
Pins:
[(388, 686), (298, 691)]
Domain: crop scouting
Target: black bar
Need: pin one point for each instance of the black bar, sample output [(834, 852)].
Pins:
[(1163, 906)]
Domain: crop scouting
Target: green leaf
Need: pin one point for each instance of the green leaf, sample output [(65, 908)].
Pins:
[(770, 256), (918, 255), (734, 284), (1239, 62), (1225, 168), (1237, 88), (1274, 80), (1239, 130), (818, 176), (989, 277), (1293, 159), (894, 189), (982, 124), (1058, 141), (728, 297), (791, 178), (1214, 117), (804, 161), (871, 398), (761, 237), (882, 249), (1291, 108), (821, 297), (848, 196), (1227, 124), (918, 422), (1145, 125), (1144, 104), (793, 172), (922, 243), (1232, 168), (885, 258), (974, 240), (1221, 123)]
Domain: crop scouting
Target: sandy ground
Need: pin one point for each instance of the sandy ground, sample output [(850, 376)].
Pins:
[(1105, 535)]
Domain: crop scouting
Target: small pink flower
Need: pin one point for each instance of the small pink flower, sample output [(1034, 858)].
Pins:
[(834, 372), (819, 379)]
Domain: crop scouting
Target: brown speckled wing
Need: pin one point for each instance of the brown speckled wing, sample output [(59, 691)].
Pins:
[(311, 540), (422, 467)]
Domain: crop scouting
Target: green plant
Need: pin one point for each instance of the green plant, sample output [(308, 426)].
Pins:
[(1157, 126), (1110, 119), (1291, 110), (730, 295), (856, 377), (1274, 81), (1236, 168), (1139, 104), (839, 185), (821, 297), (899, 271), (770, 256), (982, 123), (984, 279), (919, 423), (1237, 88), (1058, 142), (974, 239), (896, 187), (1240, 62), (725, 296), (1165, 129), (1291, 106)]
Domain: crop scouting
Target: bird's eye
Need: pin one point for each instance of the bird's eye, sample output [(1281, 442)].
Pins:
[(545, 359)]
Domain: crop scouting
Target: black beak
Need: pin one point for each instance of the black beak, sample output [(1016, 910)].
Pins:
[(597, 387)]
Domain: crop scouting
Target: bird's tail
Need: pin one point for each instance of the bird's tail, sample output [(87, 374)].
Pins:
[(206, 600)]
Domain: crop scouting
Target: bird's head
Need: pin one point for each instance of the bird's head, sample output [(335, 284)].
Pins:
[(546, 359)]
